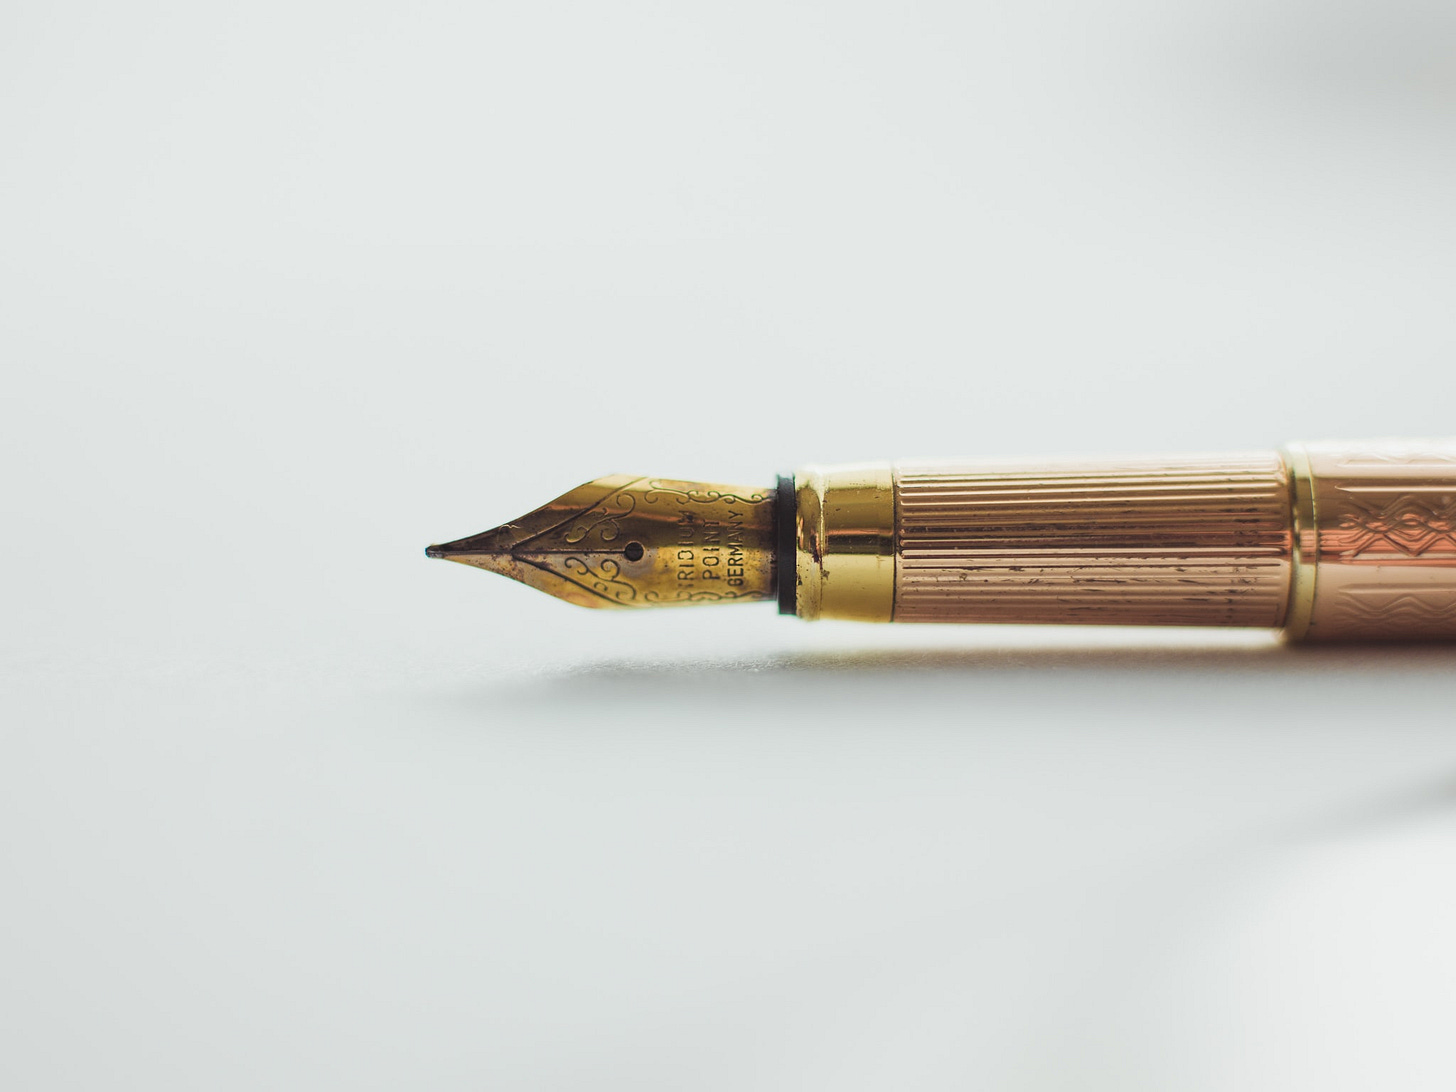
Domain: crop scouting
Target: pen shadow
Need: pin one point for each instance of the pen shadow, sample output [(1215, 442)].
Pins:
[(1020, 677), (1251, 704)]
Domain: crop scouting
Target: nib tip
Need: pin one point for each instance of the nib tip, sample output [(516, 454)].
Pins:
[(435, 551)]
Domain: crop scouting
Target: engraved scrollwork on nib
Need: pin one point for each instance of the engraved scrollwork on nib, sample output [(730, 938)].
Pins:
[(603, 579), (656, 597), (604, 518), (659, 488)]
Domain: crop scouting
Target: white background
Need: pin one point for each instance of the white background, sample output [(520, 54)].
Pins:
[(289, 290)]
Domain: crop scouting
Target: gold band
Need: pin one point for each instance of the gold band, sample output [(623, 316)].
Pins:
[(845, 542), (1304, 540)]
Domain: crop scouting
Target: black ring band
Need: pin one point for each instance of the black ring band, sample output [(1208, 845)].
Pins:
[(785, 568)]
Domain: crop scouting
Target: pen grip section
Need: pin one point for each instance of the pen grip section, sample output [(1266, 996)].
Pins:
[(1201, 541)]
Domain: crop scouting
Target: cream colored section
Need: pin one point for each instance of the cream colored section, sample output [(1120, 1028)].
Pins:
[(1176, 541), (1385, 541), (845, 538)]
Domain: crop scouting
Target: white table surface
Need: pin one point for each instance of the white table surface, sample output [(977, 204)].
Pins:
[(287, 292)]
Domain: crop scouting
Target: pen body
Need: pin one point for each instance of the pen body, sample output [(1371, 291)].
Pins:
[(1327, 541)]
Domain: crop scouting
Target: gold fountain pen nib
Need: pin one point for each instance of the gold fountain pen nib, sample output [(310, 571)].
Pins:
[(622, 541)]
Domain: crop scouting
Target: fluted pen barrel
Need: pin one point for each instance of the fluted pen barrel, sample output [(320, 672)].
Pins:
[(1196, 542), (1328, 541)]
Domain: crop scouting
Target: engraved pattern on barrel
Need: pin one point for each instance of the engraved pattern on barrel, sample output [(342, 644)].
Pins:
[(1384, 542), (1201, 541)]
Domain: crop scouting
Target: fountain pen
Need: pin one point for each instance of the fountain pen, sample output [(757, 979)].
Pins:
[(1324, 541)]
